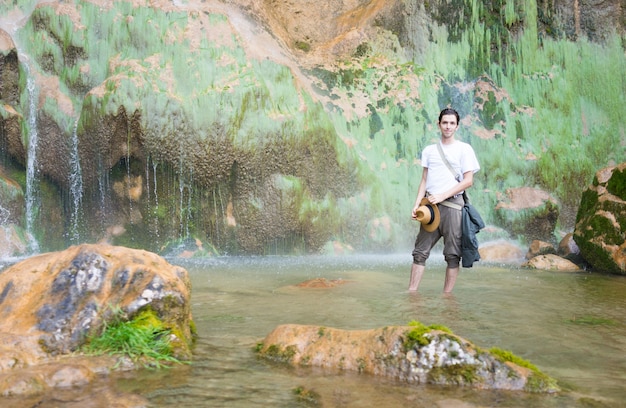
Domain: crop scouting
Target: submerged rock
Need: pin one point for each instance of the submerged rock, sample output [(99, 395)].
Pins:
[(415, 354), (321, 283)]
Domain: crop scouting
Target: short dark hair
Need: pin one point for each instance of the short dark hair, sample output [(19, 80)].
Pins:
[(449, 111)]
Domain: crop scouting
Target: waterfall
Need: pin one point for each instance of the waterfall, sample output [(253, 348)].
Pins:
[(4, 229), (4, 216), (156, 200), (155, 208), (185, 206), (32, 179), (76, 186)]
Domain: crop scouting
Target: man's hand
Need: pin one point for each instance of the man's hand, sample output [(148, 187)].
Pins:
[(436, 198)]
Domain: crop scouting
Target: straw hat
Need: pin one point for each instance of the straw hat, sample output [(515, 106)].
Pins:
[(428, 215)]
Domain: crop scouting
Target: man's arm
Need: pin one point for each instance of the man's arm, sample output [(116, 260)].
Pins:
[(467, 182), (421, 192)]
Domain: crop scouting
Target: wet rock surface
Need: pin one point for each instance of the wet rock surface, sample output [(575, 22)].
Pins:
[(601, 221), (51, 303), (530, 212), (551, 262), (437, 357)]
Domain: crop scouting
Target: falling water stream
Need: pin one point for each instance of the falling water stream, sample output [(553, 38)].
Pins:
[(76, 186), (571, 325), (32, 190)]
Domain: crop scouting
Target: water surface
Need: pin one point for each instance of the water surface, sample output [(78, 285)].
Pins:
[(571, 325)]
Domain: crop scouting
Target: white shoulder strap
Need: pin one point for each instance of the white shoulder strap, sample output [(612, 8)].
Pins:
[(456, 177)]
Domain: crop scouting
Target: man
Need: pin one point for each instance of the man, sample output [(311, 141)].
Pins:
[(440, 187)]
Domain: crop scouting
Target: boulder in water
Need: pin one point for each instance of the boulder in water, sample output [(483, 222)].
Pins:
[(601, 221), (52, 304), (414, 354)]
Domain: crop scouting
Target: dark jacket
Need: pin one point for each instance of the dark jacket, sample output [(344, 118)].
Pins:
[(472, 223)]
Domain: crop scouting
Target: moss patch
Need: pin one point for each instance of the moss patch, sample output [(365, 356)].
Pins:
[(417, 335), (276, 353), (505, 355), (308, 397), (591, 321), (143, 339), (453, 374), (537, 381)]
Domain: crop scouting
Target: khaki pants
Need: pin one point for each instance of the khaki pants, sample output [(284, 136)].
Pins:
[(450, 229)]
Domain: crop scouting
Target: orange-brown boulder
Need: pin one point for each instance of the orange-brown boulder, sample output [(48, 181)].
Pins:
[(51, 303), (54, 301), (414, 354), (551, 262), (538, 247), (501, 252)]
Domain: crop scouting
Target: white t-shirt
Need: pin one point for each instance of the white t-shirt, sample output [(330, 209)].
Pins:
[(461, 157)]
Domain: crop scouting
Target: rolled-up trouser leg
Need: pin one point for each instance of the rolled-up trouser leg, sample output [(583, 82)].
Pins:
[(451, 230), (424, 242)]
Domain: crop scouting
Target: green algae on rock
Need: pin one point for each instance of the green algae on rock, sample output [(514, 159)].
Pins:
[(415, 354)]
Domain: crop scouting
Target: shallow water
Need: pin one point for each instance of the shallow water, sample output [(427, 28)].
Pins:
[(571, 325)]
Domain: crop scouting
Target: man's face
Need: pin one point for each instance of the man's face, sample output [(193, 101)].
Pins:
[(448, 126)]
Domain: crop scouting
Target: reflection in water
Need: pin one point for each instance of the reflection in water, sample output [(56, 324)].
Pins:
[(570, 325)]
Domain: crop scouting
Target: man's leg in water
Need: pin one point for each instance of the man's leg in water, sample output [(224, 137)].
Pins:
[(416, 276), (451, 274)]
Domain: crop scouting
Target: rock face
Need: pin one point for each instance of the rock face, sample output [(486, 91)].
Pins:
[(600, 231), (594, 19), (569, 250), (537, 248), (9, 70), (529, 212), (50, 303), (13, 239), (216, 120), (306, 23), (10, 118), (434, 357)]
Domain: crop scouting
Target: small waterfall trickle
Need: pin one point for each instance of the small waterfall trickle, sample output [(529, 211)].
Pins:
[(156, 195), (76, 187), (4, 216), (4, 228), (103, 185), (154, 192), (32, 176), (185, 189)]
